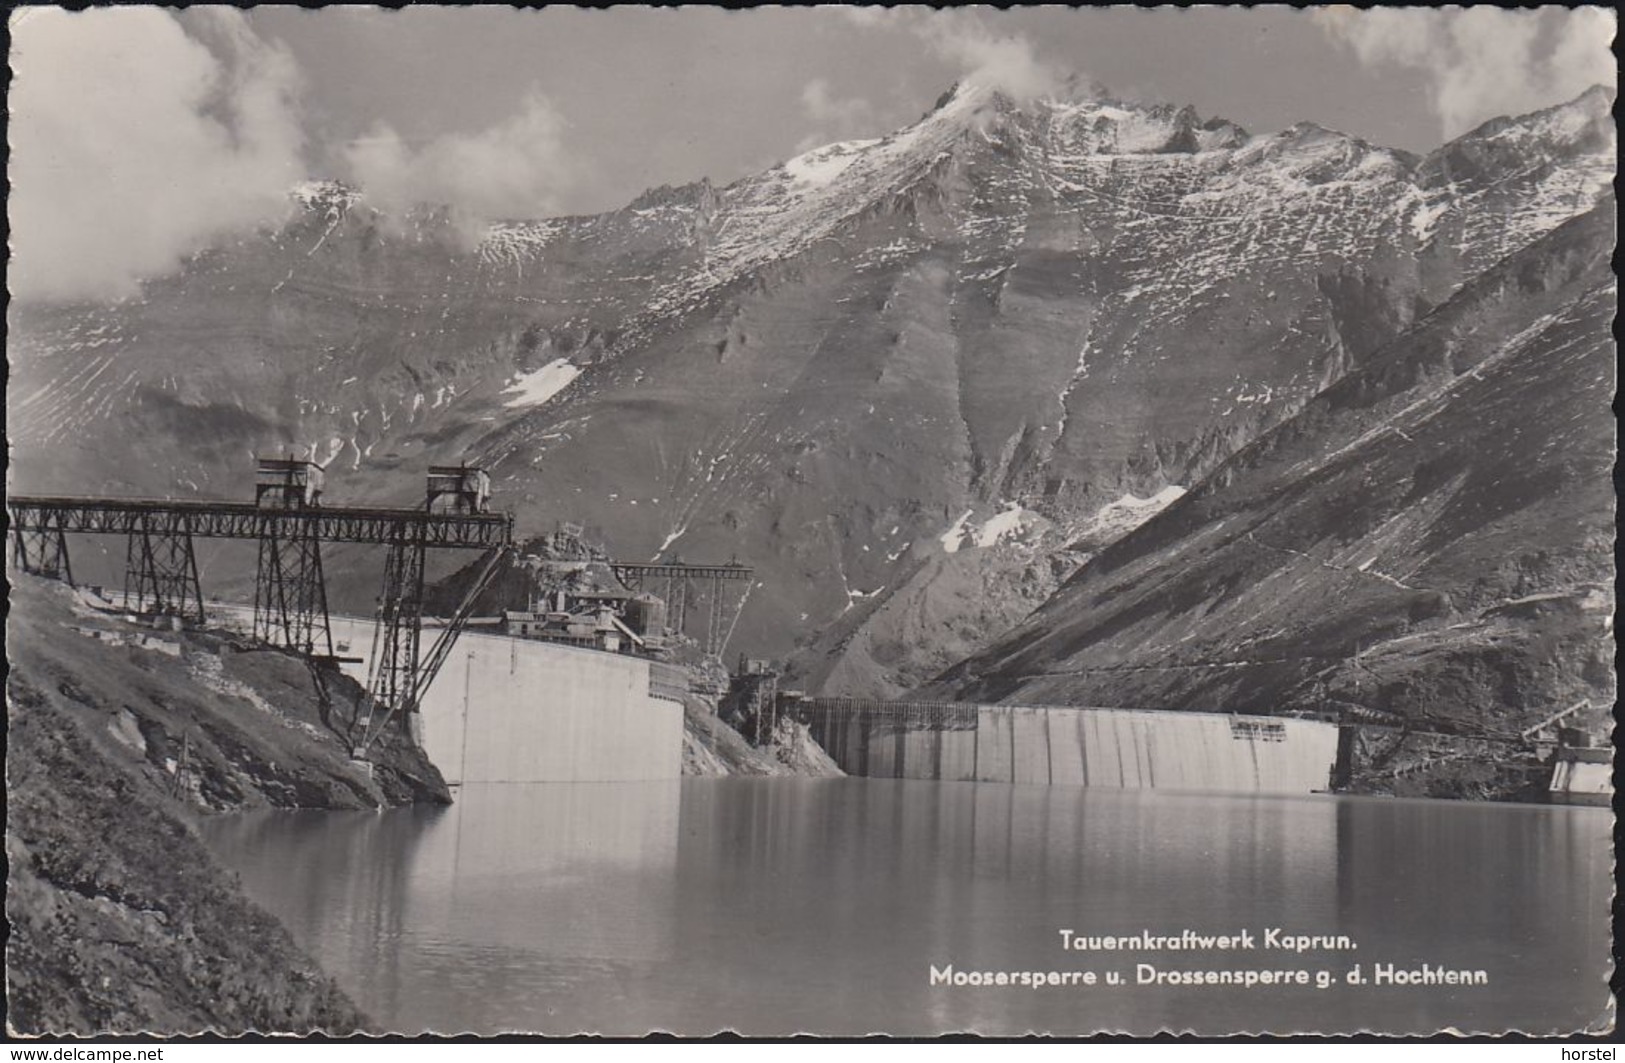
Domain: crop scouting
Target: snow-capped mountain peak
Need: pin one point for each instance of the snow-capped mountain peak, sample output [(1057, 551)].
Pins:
[(1049, 304)]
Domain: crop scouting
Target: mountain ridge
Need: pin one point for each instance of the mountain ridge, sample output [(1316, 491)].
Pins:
[(825, 368), (1428, 540)]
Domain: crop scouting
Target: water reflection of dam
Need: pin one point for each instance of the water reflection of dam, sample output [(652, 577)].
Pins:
[(769, 906), (511, 907), (885, 877), (772, 906), (1119, 748)]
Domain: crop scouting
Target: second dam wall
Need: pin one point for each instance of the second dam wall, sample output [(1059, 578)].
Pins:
[(1120, 748)]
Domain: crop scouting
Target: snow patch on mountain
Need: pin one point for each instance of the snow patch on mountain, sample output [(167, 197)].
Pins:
[(1140, 133), (515, 243), (822, 165), (1122, 515), (536, 387), (671, 537), (328, 196), (1424, 219), (1006, 523), (954, 537)]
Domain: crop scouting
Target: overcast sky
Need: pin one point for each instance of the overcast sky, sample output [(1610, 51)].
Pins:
[(140, 134)]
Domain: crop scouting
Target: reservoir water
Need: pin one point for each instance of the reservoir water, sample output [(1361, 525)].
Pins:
[(776, 906)]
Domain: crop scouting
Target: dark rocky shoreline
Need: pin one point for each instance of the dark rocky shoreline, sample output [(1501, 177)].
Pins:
[(119, 739)]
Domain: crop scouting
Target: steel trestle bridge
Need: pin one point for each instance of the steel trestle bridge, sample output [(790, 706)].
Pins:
[(242, 520), (290, 522), (290, 525), (678, 580)]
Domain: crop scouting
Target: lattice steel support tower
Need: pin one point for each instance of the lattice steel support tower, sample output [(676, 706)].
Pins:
[(160, 568), (713, 619), (290, 593), (287, 521), (393, 674), (682, 584), (677, 602), (42, 550)]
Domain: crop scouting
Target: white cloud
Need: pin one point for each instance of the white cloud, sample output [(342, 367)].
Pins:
[(1582, 56), (134, 144), (834, 118), (867, 16), (1007, 62), (515, 169), (1483, 61)]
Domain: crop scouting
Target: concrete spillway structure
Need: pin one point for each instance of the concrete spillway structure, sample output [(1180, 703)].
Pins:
[(1119, 748), (518, 710)]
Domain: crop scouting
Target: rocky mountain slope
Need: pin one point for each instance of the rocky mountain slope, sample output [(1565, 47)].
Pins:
[(1427, 542), (120, 920), (118, 737), (896, 375)]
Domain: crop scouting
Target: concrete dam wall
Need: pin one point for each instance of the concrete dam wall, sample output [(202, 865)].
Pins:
[(518, 710), (1121, 748)]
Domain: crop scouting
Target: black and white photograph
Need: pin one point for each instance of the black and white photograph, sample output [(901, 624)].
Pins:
[(828, 521)]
